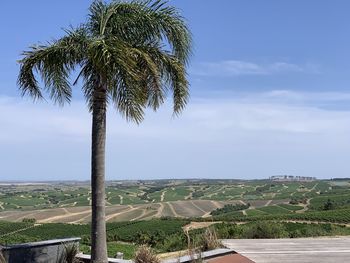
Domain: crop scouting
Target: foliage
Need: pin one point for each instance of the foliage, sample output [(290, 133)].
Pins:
[(56, 230), (9, 227), (264, 229), (29, 220), (146, 255), (18, 238), (174, 242), (230, 208), (296, 201), (39, 197), (2, 258), (330, 201), (274, 209), (145, 232), (69, 254), (335, 216), (209, 240), (329, 205), (291, 207), (275, 229), (127, 249), (122, 47)]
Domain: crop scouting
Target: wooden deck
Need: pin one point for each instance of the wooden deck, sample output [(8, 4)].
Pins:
[(303, 250)]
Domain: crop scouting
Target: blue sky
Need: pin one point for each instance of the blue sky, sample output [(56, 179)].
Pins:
[(270, 94)]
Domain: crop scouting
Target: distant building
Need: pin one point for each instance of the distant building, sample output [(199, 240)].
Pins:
[(292, 178)]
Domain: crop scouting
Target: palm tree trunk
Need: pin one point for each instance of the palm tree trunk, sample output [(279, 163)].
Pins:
[(98, 226)]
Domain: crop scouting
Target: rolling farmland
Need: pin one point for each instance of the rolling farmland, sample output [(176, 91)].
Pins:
[(160, 212), (144, 200)]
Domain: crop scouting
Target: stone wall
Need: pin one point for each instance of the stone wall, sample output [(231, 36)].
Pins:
[(38, 252)]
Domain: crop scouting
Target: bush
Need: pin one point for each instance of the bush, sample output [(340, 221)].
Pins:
[(228, 231), (70, 251), (229, 208), (29, 220), (264, 229), (2, 258), (146, 255), (329, 205), (210, 240), (173, 242)]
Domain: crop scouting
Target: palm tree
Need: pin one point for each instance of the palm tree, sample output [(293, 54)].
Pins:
[(129, 54)]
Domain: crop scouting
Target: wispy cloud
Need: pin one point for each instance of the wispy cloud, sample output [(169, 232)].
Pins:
[(251, 135), (276, 110), (238, 68)]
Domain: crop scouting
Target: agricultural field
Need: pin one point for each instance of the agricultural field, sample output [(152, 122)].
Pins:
[(162, 213), (69, 202), (165, 235)]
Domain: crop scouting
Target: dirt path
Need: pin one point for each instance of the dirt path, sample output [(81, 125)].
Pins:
[(199, 225), (53, 218), (200, 209), (305, 207), (65, 210), (218, 191), (121, 199), (268, 203), (129, 209), (242, 202), (19, 219), (80, 220), (173, 210), (160, 210), (217, 204), (190, 195), (162, 196), (144, 212), (19, 230), (206, 215), (309, 190)]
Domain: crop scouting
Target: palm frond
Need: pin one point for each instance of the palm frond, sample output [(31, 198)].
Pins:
[(173, 75), (143, 21), (53, 62), (122, 46)]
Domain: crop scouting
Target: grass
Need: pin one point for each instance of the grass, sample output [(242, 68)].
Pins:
[(291, 207), (317, 203), (127, 249), (113, 248), (274, 209), (176, 193), (254, 212)]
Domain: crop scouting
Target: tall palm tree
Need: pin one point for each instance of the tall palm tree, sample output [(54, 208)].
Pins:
[(129, 54)]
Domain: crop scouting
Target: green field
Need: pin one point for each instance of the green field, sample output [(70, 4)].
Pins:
[(155, 212)]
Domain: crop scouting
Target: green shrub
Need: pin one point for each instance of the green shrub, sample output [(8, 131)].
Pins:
[(230, 208), (29, 220), (264, 229), (173, 243)]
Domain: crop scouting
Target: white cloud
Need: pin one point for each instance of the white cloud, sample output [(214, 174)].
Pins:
[(275, 111), (252, 135), (317, 97), (238, 68)]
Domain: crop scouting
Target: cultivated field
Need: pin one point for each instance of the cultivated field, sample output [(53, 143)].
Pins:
[(144, 200), (115, 213)]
